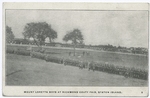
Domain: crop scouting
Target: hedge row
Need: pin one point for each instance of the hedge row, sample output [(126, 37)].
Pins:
[(109, 68), (19, 52), (23, 52), (80, 64), (38, 55), (53, 59), (125, 71), (10, 51), (71, 62)]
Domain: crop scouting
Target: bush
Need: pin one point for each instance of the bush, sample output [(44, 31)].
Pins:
[(38, 55), (125, 71), (136, 73), (119, 70), (11, 51), (53, 59), (71, 62), (84, 64), (22, 52)]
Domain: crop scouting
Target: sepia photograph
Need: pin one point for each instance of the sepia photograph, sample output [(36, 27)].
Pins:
[(76, 47)]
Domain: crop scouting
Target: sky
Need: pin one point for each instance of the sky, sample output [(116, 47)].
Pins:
[(119, 28)]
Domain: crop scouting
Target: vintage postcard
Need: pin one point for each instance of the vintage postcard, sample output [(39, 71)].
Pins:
[(75, 49)]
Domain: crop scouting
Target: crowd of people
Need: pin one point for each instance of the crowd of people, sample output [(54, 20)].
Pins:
[(94, 66)]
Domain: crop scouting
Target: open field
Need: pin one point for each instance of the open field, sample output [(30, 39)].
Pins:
[(26, 71), (119, 59)]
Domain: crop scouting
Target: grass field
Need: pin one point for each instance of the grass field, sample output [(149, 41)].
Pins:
[(119, 59), (26, 71)]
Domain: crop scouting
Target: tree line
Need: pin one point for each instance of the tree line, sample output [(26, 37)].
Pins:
[(39, 31)]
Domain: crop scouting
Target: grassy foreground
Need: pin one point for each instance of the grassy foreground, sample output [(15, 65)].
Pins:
[(26, 71)]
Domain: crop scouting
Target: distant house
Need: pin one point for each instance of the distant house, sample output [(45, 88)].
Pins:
[(21, 41)]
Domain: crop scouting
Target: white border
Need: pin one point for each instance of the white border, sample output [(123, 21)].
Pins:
[(54, 1)]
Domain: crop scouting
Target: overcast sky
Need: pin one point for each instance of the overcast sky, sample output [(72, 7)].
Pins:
[(124, 28)]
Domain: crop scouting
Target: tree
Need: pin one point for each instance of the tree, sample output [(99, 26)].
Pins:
[(9, 34), (52, 35), (39, 32), (75, 37)]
